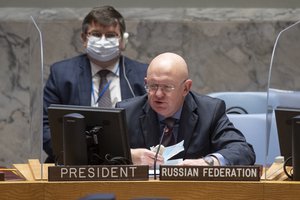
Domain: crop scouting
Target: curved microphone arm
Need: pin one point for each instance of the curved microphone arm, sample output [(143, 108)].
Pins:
[(158, 149)]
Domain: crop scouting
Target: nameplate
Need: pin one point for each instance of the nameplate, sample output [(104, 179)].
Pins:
[(98, 173), (210, 173)]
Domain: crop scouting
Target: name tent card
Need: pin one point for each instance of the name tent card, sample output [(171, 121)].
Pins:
[(210, 173), (98, 173)]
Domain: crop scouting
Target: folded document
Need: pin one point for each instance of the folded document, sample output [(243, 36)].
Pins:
[(169, 152)]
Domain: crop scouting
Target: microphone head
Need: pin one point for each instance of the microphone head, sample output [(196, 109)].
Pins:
[(166, 129), (169, 122)]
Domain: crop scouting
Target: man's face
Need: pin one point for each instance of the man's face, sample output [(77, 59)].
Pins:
[(99, 30), (165, 94)]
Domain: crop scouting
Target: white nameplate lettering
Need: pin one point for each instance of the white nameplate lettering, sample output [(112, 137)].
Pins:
[(98, 173), (210, 173)]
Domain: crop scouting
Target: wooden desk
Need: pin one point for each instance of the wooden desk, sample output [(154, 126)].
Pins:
[(264, 190)]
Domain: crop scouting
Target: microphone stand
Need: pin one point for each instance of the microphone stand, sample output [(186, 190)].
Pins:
[(158, 148)]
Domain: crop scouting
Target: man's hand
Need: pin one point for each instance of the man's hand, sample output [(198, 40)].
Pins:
[(199, 161), (145, 157)]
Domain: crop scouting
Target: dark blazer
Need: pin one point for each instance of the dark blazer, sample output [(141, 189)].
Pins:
[(70, 83), (203, 125)]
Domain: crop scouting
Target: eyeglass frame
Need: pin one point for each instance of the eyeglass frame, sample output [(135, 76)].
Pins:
[(109, 35), (164, 88)]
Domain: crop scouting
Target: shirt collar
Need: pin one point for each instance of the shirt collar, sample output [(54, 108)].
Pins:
[(113, 68), (176, 115)]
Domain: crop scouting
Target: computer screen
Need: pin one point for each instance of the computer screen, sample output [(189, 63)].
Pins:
[(105, 134), (284, 117)]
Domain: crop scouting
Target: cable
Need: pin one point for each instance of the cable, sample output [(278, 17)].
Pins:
[(117, 160), (290, 175), (94, 157), (236, 110), (125, 76)]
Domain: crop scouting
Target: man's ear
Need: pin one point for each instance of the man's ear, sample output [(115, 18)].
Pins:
[(187, 86), (84, 40)]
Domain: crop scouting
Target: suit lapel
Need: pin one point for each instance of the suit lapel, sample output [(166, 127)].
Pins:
[(150, 127), (84, 82), (188, 120)]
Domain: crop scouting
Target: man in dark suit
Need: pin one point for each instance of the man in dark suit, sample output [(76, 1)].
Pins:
[(209, 137), (76, 81)]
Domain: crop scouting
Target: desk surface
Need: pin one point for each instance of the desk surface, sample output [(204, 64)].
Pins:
[(42, 190)]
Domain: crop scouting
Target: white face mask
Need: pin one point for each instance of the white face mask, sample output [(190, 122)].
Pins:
[(103, 49)]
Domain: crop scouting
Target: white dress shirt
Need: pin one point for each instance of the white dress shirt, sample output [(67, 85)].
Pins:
[(114, 86)]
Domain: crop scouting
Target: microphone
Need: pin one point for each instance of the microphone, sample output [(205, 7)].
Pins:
[(165, 130)]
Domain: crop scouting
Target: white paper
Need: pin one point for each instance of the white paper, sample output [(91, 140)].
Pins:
[(169, 152), (173, 150)]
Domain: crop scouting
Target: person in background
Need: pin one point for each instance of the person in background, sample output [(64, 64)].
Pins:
[(209, 137), (78, 80)]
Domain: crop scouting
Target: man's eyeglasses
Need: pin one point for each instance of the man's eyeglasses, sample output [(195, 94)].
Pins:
[(164, 88), (106, 35)]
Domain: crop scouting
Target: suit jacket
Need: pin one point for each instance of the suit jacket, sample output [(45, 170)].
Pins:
[(203, 125), (70, 83)]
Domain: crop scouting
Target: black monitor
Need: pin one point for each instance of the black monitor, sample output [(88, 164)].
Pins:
[(284, 117), (105, 138)]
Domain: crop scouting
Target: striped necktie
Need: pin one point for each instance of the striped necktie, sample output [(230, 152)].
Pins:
[(168, 137), (104, 92)]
